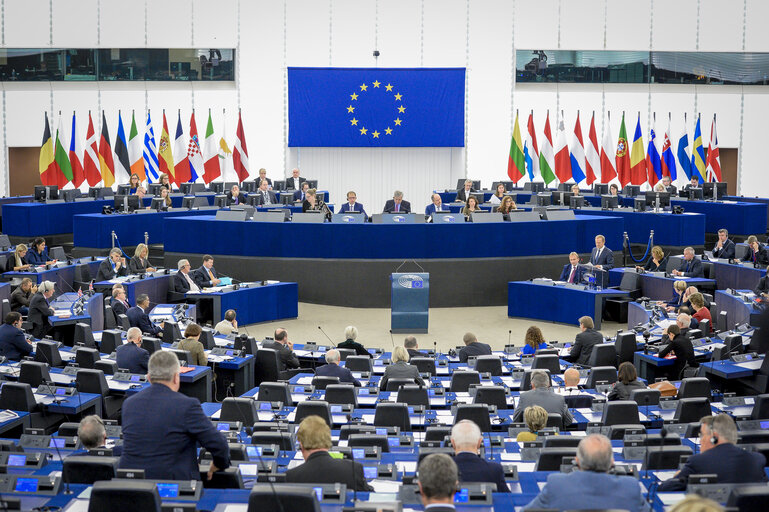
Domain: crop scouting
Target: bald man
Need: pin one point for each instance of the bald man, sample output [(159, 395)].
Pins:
[(571, 379)]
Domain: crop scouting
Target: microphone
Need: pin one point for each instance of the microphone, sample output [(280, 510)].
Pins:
[(391, 338), (326, 335)]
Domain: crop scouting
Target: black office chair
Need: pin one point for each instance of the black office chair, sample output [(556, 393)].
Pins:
[(603, 354), (284, 440), (267, 366), (341, 394), (108, 366), (617, 432), (275, 392), (359, 363), (626, 346), (489, 364), (82, 279), (694, 387), (477, 413), (122, 322), (620, 412), (68, 429), (322, 382), (691, 409), (110, 320), (460, 381), (526, 381), (579, 401), (84, 335), (18, 396), (124, 496), (151, 344), (547, 362), (87, 469), (554, 419), (413, 394), (491, 395), (392, 415), (760, 408), (344, 353), (184, 356), (704, 326), (239, 409), (48, 352), (753, 437), (645, 397), (665, 457), (369, 440), (424, 364), (562, 441), (94, 381), (437, 433), (395, 384), (282, 498), (313, 408), (34, 373), (345, 431), (550, 459), (748, 498), (229, 478), (616, 308), (110, 340), (86, 357), (601, 374)]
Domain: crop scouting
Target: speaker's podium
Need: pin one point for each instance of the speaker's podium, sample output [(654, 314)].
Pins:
[(410, 302)]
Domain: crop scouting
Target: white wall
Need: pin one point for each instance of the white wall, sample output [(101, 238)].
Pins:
[(479, 34)]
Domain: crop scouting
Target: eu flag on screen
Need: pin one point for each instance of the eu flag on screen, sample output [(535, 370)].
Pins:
[(376, 107)]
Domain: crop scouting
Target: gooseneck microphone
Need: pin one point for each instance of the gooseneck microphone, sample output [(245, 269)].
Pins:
[(391, 338), (326, 335)]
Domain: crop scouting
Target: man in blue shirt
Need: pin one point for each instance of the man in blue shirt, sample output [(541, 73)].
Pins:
[(13, 344)]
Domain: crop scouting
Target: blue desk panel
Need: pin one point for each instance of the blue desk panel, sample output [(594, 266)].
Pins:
[(759, 200), (737, 311), (385, 241), (156, 288), (737, 217), (658, 288), (63, 277), (736, 277), (257, 304), (669, 229)]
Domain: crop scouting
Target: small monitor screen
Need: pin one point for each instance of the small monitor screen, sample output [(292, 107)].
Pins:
[(462, 496), (26, 485), (135, 378), (168, 490), (56, 443), (265, 406), (223, 426), (298, 389), (748, 357), (369, 472), (568, 345), (381, 431), (378, 362), (253, 451), (411, 410), (248, 469), (60, 391), (358, 453), (17, 460), (363, 391), (394, 441), (318, 493), (765, 424), (336, 409), (230, 352)]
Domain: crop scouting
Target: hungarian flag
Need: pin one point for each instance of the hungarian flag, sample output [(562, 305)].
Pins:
[(516, 162), (46, 163), (622, 157), (64, 174), (106, 164), (577, 153), (546, 158), (135, 153), (90, 158), (240, 152), (122, 163), (592, 160), (530, 149), (714, 159), (211, 167), (608, 172), (182, 164), (194, 155), (78, 175), (562, 160), (165, 153)]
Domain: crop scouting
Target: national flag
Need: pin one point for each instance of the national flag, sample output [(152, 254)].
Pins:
[(653, 161), (80, 291), (622, 157), (637, 156), (122, 163), (182, 163), (240, 152), (698, 153), (78, 174), (531, 149), (135, 154), (106, 164), (165, 153), (150, 153), (714, 159), (608, 172), (682, 154), (194, 155), (592, 158), (546, 158), (90, 157), (46, 162), (668, 159), (516, 162), (562, 161), (577, 153), (64, 174), (225, 156), (211, 167)]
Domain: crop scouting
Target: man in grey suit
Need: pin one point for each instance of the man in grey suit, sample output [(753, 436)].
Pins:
[(543, 396), (584, 342), (265, 197)]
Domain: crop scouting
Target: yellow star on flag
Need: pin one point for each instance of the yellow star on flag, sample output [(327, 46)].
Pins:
[(376, 83), (351, 109), (375, 134), (401, 109), (363, 87), (388, 88), (363, 131), (354, 121), (388, 130), (354, 96), (397, 122), (398, 96)]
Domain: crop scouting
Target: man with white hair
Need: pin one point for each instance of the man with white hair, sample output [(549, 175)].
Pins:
[(183, 281), (690, 266), (591, 487), (397, 204), (464, 193), (466, 439), (332, 369), (112, 267), (543, 396), (684, 321), (295, 181), (40, 309), (130, 355)]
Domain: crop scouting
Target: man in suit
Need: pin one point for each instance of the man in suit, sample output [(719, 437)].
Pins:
[(543, 396), (205, 276), (412, 347), (91, 432), (757, 253), (130, 355), (584, 342), (112, 267), (473, 348), (690, 266), (397, 204), (352, 205), (13, 344), (591, 487), (21, 296), (332, 369), (438, 481), (40, 310), (684, 321), (265, 197), (284, 348), (295, 181), (724, 248), (435, 206), (263, 177), (234, 197), (464, 193), (762, 288), (669, 187), (572, 273), (466, 439), (162, 428), (299, 194), (119, 303), (719, 455), (601, 257), (314, 437), (138, 317), (183, 280), (694, 183)]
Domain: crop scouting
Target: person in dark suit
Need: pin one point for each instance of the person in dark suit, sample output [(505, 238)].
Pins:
[(13, 344), (601, 256), (435, 206), (38, 253), (17, 261), (21, 296), (92, 434), (679, 290), (464, 193), (119, 303), (466, 439), (234, 197), (162, 428), (40, 310), (300, 193), (314, 437), (130, 355), (412, 347), (719, 455), (138, 317), (472, 348), (397, 204), (400, 369), (183, 280), (681, 346), (761, 289), (591, 487), (572, 272), (264, 196), (669, 187), (112, 267), (627, 381), (438, 481), (658, 262), (543, 396), (584, 342), (295, 181), (350, 335), (352, 205), (139, 264), (284, 348), (724, 248), (332, 369), (205, 276), (690, 266), (263, 177), (757, 253)]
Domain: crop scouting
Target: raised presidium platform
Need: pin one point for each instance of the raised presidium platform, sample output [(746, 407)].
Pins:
[(254, 302)]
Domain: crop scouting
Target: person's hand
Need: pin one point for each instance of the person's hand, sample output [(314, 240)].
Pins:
[(151, 269), (34, 288), (211, 470), (637, 267), (290, 344), (719, 245), (235, 324), (599, 267), (216, 281)]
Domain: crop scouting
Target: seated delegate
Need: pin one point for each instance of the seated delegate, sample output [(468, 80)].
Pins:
[(397, 204), (139, 264), (627, 381), (400, 369), (757, 253), (350, 335), (13, 344), (690, 266), (38, 253), (658, 262), (533, 341), (21, 296), (472, 348), (112, 267), (18, 260), (724, 248), (572, 272)]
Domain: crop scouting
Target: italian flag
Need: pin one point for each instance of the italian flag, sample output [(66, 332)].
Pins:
[(211, 167)]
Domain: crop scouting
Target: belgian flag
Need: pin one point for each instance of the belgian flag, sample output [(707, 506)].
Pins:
[(47, 163)]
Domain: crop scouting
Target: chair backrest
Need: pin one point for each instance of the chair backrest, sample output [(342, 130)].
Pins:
[(239, 409), (275, 392), (344, 353), (395, 384), (282, 498), (124, 496), (760, 408), (489, 364), (600, 374), (413, 394), (392, 415), (267, 367), (92, 381), (151, 344), (122, 322), (86, 357), (554, 419), (34, 373), (526, 382), (110, 322), (341, 394), (313, 408), (550, 459), (491, 395), (562, 441), (625, 345), (84, 335), (578, 401), (369, 440), (645, 397), (620, 412), (630, 281), (692, 409), (748, 498), (17, 396), (359, 363), (184, 356), (82, 273), (230, 478), (322, 382), (424, 364), (548, 362), (477, 413), (704, 326), (48, 352), (284, 440), (665, 457), (460, 381), (68, 429), (111, 339), (87, 469), (603, 354), (694, 387), (108, 366), (437, 433)]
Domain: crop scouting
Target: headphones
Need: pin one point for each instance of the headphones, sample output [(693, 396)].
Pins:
[(713, 439)]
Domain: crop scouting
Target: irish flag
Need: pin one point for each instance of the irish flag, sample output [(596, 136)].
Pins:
[(516, 163), (135, 151)]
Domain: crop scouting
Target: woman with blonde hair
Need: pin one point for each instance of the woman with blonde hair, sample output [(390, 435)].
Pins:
[(679, 287), (400, 369), (139, 264), (18, 260), (536, 419), (658, 262)]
